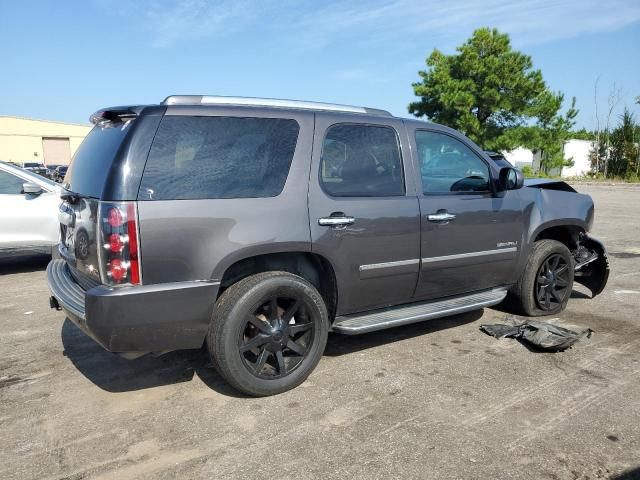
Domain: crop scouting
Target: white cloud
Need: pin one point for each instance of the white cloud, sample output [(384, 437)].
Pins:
[(310, 23), (175, 22)]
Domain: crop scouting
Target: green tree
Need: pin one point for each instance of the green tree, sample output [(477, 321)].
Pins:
[(493, 95), (583, 134), (624, 148), (620, 149)]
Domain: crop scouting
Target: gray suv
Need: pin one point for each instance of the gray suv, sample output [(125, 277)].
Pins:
[(256, 226)]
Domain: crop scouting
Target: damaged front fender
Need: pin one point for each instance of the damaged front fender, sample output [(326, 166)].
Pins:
[(592, 271)]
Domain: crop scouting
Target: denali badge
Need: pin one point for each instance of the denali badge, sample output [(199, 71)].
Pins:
[(507, 244)]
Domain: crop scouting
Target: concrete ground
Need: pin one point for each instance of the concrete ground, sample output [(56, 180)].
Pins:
[(433, 400)]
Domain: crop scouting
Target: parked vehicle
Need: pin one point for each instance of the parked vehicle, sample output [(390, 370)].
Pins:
[(50, 169), (28, 212), (36, 168), (59, 173), (257, 226)]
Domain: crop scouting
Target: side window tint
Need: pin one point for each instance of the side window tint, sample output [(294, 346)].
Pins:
[(361, 161), (448, 165), (219, 157), (10, 184)]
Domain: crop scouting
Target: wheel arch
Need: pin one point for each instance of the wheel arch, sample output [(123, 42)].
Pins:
[(565, 233), (314, 268)]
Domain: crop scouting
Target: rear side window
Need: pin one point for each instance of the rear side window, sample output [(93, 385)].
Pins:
[(219, 157), (361, 161), (91, 163)]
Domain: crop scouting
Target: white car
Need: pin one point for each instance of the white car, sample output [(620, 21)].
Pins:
[(28, 212)]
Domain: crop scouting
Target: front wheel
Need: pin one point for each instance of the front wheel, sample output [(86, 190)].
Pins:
[(268, 333), (547, 281)]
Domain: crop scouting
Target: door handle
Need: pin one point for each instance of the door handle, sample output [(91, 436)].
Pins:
[(440, 217), (342, 221)]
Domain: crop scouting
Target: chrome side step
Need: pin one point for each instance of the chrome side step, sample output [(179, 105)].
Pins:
[(356, 324)]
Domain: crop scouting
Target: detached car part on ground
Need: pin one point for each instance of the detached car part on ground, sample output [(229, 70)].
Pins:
[(540, 335), (256, 226)]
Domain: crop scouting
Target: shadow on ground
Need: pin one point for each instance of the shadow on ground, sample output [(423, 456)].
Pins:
[(113, 373), (345, 344), (633, 474), (509, 306), (581, 295), (24, 264)]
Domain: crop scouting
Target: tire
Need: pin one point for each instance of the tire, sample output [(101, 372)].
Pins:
[(530, 295), (245, 324)]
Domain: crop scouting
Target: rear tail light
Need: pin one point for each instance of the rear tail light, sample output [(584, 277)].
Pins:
[(118, 248)]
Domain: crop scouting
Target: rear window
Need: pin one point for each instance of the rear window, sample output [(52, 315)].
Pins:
[(219, 157), (91, 163)]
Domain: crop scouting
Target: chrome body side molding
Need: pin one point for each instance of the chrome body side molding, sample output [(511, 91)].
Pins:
[(482, 253)]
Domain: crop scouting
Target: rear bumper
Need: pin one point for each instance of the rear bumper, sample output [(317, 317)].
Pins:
[(146, 318)]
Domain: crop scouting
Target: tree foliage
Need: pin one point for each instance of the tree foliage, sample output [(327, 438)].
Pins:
[(493, 95), (617, 152), (583, 134)]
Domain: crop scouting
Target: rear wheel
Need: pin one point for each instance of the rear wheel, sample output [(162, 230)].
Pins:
[(547, 281), (268, 333)]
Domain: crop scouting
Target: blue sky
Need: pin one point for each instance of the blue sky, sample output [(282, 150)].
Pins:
[(63, 60)]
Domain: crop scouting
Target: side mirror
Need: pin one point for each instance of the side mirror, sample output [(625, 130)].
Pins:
[(511, 178), (31, 188)]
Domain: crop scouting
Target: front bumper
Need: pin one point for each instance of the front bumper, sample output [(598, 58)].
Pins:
[(137, 319)]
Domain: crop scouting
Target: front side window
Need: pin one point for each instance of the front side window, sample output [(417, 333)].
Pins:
[(10, 184), (361, 161), (219, 157), (447, 165)]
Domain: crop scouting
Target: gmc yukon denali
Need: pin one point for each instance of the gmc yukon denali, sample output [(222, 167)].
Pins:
[(256, 226)]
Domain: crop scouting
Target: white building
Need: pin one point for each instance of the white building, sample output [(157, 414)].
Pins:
[(575, 150), (40, 141), (578, 151), (520, 157)]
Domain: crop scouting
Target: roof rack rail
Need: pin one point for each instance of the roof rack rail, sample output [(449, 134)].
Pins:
[(268, 102)]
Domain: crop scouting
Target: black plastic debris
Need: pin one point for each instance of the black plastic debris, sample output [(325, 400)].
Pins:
[(542, 335)]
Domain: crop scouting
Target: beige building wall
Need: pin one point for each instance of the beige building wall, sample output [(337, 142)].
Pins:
[(21, 139)]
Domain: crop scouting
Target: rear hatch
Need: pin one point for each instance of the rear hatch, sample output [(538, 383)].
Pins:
[(81, 210)]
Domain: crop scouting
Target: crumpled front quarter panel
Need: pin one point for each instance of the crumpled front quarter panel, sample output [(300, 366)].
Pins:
[(547, 208)]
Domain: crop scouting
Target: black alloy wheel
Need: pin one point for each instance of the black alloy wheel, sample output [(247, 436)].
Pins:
[(546, 282), (552, 282), (268, 332), (276, 338)]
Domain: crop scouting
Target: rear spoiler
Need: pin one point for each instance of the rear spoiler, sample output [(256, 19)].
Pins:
[(114, 114)]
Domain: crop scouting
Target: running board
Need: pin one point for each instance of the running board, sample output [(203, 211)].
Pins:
[(356, 324)]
